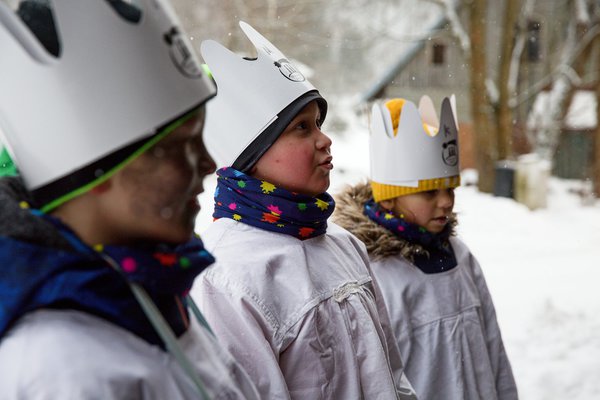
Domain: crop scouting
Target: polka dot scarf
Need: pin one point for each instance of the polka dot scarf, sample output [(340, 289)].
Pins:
[(440, 255), (261, 204), (94, 280)]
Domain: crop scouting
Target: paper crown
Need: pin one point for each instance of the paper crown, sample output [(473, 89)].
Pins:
[(113, 83), (421, 155), (251, 92)]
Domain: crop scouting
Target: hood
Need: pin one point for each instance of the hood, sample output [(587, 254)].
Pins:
[(40, 269), (380, 242), (17, 222)]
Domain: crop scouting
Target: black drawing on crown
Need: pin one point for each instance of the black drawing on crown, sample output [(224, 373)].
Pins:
[(450, 152), (180, 54), (289, 71)]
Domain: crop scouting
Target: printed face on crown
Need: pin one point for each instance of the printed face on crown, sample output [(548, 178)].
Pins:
[(300, 159)]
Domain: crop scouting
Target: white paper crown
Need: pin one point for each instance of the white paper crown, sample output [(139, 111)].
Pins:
[(113, 83), (251, 92), (413, 154)]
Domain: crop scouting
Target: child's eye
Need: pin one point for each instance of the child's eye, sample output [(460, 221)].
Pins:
[(430, 193), (302, 126)]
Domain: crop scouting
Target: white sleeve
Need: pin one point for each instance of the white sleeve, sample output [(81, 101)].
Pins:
[(240, 325), (505, 382), (405, 389)]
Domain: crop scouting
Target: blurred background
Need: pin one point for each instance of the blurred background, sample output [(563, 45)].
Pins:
[(525, 73)]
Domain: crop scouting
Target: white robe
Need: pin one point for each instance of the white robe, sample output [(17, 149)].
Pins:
[(446, 327), (71, 355), (304, 318)]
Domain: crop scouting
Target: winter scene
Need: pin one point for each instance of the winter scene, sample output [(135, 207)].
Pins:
[(107, 173), (538, 254)]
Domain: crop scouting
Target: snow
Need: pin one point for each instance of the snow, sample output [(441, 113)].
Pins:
[(581, 114), (541, 267)]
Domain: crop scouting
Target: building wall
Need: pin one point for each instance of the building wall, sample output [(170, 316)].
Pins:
[(422, 76)]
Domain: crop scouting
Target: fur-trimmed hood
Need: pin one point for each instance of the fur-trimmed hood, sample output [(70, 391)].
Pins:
[(380, 242)]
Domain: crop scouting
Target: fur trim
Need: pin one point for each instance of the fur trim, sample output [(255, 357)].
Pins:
[(380, 242)]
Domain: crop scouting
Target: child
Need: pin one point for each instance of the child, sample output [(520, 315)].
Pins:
[(291, 296), (439, 304), (96, 240)]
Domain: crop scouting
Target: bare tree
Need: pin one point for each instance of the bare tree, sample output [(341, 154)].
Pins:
[(504, 113), (481, 104), (564, 77)]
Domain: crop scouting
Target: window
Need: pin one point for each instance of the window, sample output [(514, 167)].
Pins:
[(438, 54), (534, 53)]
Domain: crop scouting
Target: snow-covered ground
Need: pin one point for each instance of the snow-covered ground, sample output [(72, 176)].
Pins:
[(542, 267)]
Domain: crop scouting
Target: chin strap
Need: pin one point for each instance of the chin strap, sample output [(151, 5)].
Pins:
[(154, 315), (164, 331)]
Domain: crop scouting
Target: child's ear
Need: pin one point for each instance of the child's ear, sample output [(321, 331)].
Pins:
[(102, 188), (387, 204)]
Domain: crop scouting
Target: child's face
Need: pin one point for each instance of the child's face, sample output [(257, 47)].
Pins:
[(300, 159), (155, 197), (430, 209)]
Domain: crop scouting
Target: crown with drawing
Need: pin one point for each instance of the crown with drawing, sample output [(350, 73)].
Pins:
[(411, 150), (73, 113), (252, 92)]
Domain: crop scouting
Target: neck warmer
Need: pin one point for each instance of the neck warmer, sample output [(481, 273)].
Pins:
[(440, 255), (261, 204), (35, 276)]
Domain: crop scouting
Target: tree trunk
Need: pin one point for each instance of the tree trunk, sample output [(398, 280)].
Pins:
[(596, 160), (480, 104), (505, 113)]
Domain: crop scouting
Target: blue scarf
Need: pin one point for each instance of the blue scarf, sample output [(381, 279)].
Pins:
[(35, 277), (441, 255), (261, 204)]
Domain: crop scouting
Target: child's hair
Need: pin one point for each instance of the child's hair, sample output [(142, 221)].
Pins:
[(258, 98)]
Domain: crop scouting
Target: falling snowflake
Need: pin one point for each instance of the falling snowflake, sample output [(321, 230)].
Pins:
[(237, 217), (302, 206), (241, 184), (232, 206)]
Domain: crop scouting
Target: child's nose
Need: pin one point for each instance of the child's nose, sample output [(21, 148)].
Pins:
[(207, 165), (323, 141), (446, 198)]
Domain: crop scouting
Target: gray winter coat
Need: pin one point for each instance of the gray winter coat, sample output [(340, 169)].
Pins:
[(445, 323)]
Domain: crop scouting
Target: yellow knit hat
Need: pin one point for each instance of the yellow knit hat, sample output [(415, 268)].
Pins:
[(382, 191)]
